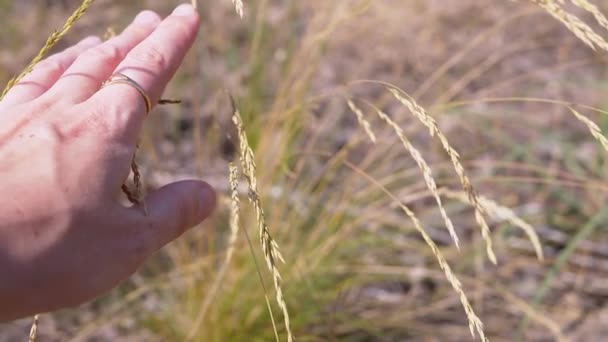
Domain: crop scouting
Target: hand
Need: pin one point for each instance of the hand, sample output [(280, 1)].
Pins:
[(66, 146)]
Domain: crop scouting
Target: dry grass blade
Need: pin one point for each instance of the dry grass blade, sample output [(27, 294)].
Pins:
[(500, 212), (234, 230), (596, 132), (50, 43), (364, 123), (591, 8), (269, 246), (34, 329), (475, 323), (239, 7), (473, 198), (574, 24), (422, 165)]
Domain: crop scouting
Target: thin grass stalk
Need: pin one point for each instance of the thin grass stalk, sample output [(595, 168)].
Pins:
[(362, 122), (51, 41), (269, 247), (500, 212), (594, 129), (475, 323), (591, 8), (239, 7), (34, 329), (573, 23), (422, 165), (434, 130), (234, 231)]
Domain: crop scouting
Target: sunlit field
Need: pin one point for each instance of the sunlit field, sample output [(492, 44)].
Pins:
[(428, 170)]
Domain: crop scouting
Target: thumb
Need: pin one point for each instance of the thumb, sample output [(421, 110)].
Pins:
[(177, 207)]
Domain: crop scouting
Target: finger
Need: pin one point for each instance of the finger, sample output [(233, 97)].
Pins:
[(46, 73), (151, 64), (172, 209), (85, 76)]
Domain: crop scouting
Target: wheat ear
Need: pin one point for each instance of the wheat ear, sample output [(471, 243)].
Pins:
[(434, 130), (50, 43), (269, 246)]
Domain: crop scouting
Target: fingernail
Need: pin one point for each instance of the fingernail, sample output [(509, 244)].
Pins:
[(146, 17), (184, 10), (207, 199)]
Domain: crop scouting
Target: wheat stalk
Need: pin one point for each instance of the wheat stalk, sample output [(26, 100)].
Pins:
[(269, 247), (50, 43), (500, 212), (574, 24), (473, 198)]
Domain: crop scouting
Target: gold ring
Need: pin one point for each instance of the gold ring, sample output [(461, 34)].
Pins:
[(120, 78)]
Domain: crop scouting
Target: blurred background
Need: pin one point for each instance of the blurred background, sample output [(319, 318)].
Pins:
[(498, 76)]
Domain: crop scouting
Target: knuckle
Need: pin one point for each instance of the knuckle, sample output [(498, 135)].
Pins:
[(106, 53), (51, 67), (149, 57)]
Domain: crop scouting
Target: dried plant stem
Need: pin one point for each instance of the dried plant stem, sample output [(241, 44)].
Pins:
[(591, 8), (34, 329), (234, 230), (473, 198), (500, 212), (417, 156), (574, 24), (239, 7), (269, 246), (475, 323), (364, 123), (595, 130), (50, 43)]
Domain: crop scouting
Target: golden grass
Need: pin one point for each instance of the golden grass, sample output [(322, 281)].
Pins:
[(52, 40), (364, 123), (233, 180), (576, 25), (269, 246), (417, 156), (239, 7), (500, 212), (594, 129), (475, 323), (434, 130), (34, 329), (591, 8)]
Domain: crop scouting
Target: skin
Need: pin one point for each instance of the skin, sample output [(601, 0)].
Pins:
[(65, 149)]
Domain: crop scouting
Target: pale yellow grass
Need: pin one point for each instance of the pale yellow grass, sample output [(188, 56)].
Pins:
[(233, 180), (269, 246), (594, 129), (500, 212), (475, 323), (434, 130), (417, 156), (576, 25)]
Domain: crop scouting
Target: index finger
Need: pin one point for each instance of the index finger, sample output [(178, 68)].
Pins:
[(151, 65)]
